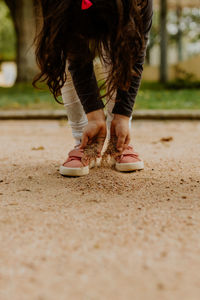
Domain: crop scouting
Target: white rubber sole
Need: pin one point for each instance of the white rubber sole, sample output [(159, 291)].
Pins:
[(77, 172), (129, 166), (74, 172)]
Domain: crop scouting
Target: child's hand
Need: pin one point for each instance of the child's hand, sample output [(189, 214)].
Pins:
[(95, 130), (120, 130)]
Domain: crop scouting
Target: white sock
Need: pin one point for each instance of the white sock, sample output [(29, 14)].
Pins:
[(76, 116)]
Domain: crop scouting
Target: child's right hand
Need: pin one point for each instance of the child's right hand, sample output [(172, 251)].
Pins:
[(120, 130), (95, 130)]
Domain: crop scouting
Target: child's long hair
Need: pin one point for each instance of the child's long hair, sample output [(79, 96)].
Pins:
[(113, 28)]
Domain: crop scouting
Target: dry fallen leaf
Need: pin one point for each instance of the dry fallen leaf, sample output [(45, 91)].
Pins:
[(24, 190), (38, 148), (166, 139)]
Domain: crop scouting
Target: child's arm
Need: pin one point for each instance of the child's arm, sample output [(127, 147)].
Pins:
[(86, 86), (125, 100), (84, 79)]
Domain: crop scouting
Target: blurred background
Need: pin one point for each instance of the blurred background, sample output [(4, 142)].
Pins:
[(171, 78)]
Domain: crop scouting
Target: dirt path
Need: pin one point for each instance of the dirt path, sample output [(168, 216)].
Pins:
[(105, 236)]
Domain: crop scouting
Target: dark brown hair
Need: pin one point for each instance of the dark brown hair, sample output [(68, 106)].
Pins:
[(114, 29)]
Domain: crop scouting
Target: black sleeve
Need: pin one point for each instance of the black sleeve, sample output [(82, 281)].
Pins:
[(86, 86), (84, 78), (125, 99)]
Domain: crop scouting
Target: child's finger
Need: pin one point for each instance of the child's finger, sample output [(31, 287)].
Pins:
[(127, 141), (112, 131), (84, 142), (120, 143)]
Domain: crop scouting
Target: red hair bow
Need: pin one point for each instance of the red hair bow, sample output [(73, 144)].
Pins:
[(86, 4)]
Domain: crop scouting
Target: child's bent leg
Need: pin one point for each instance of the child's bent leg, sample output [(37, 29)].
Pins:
[(76, 115), (74, 166)]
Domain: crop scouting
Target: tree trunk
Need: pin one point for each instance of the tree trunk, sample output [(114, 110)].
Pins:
[(179, 34), (163, 42), (23, 13)]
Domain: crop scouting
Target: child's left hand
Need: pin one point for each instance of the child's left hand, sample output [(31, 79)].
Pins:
[(120, 130)]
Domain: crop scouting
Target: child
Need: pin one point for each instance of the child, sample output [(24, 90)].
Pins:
[(73, 32)]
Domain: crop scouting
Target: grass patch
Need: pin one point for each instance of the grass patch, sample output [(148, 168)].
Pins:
[(24, 96), (150, 96), (168, 99)]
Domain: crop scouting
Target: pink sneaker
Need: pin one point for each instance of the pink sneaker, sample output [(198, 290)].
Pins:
[(129, 161), (75, 164)]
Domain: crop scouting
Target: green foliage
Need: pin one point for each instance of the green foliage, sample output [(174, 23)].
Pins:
[(24, 96), (189, 24), (7, 34), (152, 95), (181, 83), (184, 80), (168, 99)]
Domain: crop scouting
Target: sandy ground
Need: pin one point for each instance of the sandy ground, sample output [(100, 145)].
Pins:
[(105, 236)]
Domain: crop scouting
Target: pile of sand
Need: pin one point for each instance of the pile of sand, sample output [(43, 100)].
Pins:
[(103, 180)]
